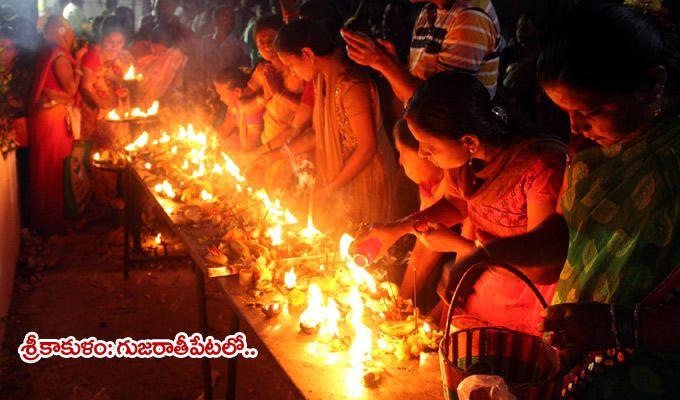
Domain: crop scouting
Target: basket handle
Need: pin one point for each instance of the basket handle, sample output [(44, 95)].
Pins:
[(482, 266)]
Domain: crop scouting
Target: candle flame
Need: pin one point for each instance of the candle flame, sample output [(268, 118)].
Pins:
[(290, 279), (275, 233), (167, 189), (97, 156), (131, 76), (313, 314), (329, 327), (360, 275), (206, 196), (140, 142), (360, 351), (310, 232), (158, 239)]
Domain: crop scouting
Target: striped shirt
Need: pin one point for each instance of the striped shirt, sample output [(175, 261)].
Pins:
[(465, 37)]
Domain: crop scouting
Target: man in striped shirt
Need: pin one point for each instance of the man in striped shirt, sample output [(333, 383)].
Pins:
[(461, 35)]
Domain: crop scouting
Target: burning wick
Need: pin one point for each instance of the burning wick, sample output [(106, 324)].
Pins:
[(290, 279), (311, 318), (131, 76), (272, 310)]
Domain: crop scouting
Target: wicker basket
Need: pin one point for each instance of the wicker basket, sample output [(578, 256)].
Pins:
[(529, 366)]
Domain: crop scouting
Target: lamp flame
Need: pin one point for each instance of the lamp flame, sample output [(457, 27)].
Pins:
[(290, 279)]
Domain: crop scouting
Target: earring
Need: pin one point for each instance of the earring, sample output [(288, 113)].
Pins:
[(470, 158)]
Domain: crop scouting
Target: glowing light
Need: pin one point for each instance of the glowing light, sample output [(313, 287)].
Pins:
[(233, 169), (113, 116), (360, 351), (313, 314), (131, 76), (290, 279), (147, 165), (426, 328), (275, 233), (97, 156), (206, 196), (158, 240), (310, 232), (360, 275), (167, 189), (140, 142), (329, 327)]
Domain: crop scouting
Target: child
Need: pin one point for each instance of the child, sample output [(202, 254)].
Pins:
[(423, 262), (243, 123)]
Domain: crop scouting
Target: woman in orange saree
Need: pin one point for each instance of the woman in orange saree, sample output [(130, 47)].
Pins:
[(49, 128)]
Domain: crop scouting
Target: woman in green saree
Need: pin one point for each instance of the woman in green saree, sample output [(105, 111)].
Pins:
[(615, 315)]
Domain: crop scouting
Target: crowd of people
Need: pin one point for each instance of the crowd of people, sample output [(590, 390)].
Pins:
[(556, 151)]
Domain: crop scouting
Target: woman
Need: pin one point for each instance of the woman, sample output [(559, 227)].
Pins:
[(502, 184), (354, 162), (272, 84), (104, 66), (12, 104), (614, 70), (50, 125)]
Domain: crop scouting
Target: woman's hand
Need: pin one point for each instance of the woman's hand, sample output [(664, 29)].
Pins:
[(80, 53), (438, 237), (363, 50), (578, 328), (387, 234)]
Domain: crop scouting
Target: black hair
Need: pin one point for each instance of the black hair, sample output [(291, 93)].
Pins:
[(234, 77), (299, 34), (451, 104), (322, 12), (217, 9), (265, 22), (403, 134), (608, 48), (112, 24)]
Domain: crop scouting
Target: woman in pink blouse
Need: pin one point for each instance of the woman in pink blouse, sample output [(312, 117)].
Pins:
[(497, 183)]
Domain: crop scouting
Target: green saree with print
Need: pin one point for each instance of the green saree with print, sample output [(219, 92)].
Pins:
[(622, 206)]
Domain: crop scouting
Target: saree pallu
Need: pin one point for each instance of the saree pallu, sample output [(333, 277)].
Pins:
[(369, 196), (51, 143), (622, 207)]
